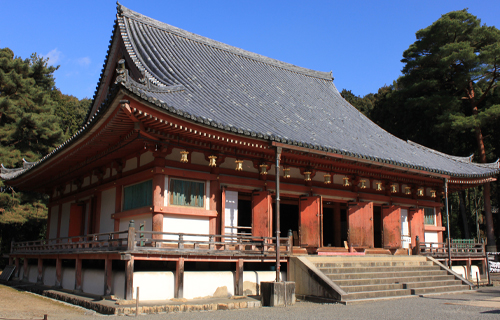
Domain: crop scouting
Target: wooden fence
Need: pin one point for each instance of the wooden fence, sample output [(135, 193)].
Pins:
[(133, 241)]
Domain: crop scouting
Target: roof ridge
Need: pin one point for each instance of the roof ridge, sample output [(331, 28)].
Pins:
[(124, 11)]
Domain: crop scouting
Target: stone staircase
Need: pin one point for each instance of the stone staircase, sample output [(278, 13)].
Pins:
[(367, 277)]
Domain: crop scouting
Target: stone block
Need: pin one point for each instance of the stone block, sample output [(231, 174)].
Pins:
[(275, 294)]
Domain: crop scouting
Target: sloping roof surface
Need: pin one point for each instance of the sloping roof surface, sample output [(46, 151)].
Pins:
[(232, 89), (254, 95)]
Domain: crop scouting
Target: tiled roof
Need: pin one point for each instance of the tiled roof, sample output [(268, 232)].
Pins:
[(245, 93), (250, 94)]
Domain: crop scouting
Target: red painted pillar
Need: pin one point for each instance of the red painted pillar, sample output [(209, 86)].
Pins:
[(118, 207)]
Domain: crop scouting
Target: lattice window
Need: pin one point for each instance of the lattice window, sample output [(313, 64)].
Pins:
[(138, 195), (429, 216), (187, 193)]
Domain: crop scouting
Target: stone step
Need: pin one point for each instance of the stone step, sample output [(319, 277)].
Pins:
[(392, 280), (428, 290), (377, 294), (427, 284), (378, 269), (396, 274), (372, 287), (372, 264)]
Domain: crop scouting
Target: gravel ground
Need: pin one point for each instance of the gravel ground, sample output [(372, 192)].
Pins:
[(483, 304)]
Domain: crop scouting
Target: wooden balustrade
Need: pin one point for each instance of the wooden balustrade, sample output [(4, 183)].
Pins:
[(440, 249), (137, 241)]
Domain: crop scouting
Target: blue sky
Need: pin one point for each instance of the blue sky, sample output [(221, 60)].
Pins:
[(361, 42)]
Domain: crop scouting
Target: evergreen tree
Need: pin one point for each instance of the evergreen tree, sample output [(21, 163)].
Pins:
[(35, 118), (446, 96)]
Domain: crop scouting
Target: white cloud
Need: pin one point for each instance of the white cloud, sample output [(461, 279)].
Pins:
[(84, 62), (54, 55)]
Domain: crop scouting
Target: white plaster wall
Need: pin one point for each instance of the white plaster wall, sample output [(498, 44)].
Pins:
[(229, 163), (108, 198), (118, 284), (175, 155), (67, 189), (199, 284), (146, 158), (252, 279), (86, 181), (68, 278), (49, 275), (131, 164), (189, 224), (148, 218), (93, 281), (66, 208), (198, 158), (94, 179), (54, 214), (154, 285), (114, 172), (107, 173), (431, 236), (32, 273)]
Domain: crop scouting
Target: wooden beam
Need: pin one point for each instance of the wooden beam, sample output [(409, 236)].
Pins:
[(179, 279), (238, 281), (25, 269), (58, 283), (108, 275), (78, 274), (39, 278), (129, 279)]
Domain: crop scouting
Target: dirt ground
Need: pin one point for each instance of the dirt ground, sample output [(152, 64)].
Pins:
[(17, 304)]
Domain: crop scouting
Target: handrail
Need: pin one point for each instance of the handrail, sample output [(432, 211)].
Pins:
[(457, 249), (141, 240)]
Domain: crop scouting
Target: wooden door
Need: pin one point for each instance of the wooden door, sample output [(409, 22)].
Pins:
[(76, 221), (416, 218), (391, 226), (309, 221), (360, 222), (261, 214)]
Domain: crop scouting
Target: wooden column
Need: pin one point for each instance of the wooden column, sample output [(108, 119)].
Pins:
[(59, 214), (337, 225), (179, 279), (97, 217), (78, 274), (108, 273), (39, 278), (118, 207), (49, 217), (158, 202), (25, 269), (16, 272), (238, 281), (216, 224), (58, 283), (129, 279)]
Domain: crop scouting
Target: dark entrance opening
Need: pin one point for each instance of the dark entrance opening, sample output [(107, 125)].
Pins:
[(289, 218), (328, 227), (377, 227), (244, 213)]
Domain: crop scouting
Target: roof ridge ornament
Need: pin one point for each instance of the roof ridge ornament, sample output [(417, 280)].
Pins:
[(121, 72)]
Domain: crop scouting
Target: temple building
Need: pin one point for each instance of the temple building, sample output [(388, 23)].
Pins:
[(200, 144)]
